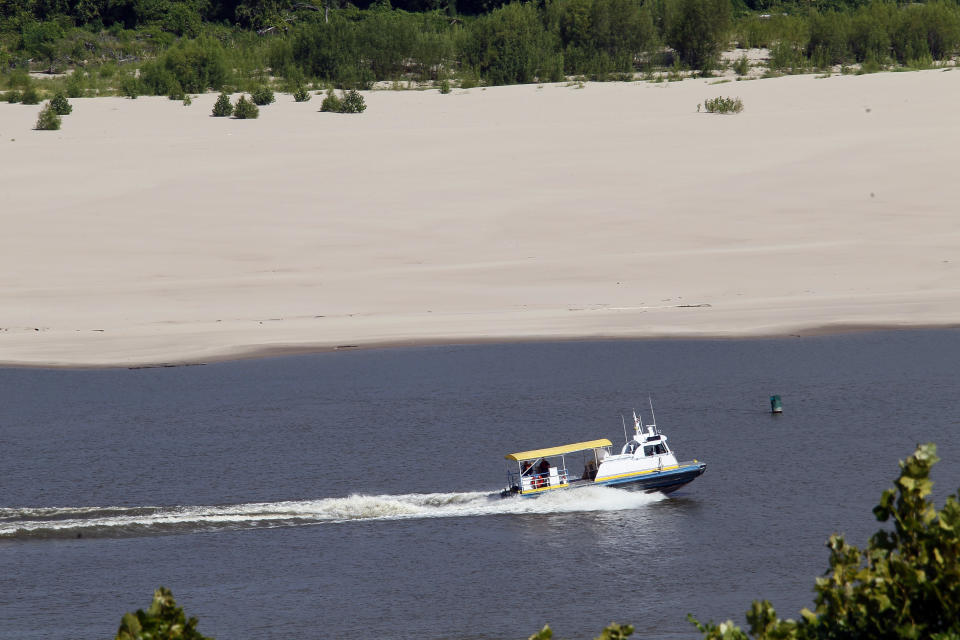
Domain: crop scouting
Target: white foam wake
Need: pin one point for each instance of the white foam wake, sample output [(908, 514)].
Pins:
[(132, 521)]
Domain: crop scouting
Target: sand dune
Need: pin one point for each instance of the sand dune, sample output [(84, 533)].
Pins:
[(145, 231)]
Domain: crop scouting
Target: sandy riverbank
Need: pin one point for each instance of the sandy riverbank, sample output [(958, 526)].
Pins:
[(145, 231)]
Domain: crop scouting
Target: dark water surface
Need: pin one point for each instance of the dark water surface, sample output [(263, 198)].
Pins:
[(345, 494)]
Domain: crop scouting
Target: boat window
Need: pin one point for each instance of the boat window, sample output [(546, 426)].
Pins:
[(648, 450), (631, 446), (660, 449)]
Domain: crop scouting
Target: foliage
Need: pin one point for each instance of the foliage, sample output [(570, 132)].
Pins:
[(721, 104), (222, 107), (30, 95), (905, 584), (444, 86), (262, 96), (697, 29), (130, 87), (164, 620), (13, 96), (331, 102), (192, 66), (61, 105), (48, 120), (742, 66), (301, 95), (192, 46), (351, 102), (510, 45), (245, 109), (613, 631)]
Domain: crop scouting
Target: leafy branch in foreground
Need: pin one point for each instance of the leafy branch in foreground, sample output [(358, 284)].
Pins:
[(164, 620), (906, 584), (612, 632)]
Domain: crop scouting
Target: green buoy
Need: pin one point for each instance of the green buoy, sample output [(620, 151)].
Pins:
[(775, 405)]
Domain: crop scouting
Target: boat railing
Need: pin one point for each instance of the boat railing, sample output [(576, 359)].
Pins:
[(530, 482)]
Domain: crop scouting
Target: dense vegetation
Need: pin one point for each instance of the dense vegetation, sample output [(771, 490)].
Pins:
[(905, 584), (178, 47)]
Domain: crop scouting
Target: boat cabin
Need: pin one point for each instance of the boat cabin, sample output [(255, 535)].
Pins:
[(540, 470), (647, 444)]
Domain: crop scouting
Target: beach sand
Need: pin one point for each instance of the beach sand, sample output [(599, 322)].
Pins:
[(146, 232)]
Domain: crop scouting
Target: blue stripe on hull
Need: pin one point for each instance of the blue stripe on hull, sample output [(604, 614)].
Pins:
[(664, 481)]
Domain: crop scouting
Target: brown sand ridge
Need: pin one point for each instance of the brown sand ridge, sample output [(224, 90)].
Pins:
[(145, 231)]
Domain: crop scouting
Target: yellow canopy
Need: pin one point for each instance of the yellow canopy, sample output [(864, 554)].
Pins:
[(556, 451)]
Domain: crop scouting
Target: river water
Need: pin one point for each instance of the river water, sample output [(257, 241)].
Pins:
[(349, 493)]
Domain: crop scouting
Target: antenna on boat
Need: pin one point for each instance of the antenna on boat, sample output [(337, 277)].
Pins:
[(653, 416), (624, 421)]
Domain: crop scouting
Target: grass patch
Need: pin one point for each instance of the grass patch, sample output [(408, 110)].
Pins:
[(722, 104)]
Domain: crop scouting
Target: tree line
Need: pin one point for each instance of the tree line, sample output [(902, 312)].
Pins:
[(199, 45)]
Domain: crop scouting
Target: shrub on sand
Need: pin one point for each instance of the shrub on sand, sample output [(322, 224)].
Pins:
[(30, 95), (245, 109), (723, 105), (301, 95), (353, 103), (222, 107), (262, 96), (61, 105), (48, 120), (331, 102)]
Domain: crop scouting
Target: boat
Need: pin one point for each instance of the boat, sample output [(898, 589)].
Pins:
[(645, 462)]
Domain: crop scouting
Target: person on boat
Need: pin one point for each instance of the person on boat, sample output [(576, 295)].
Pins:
[(590, 470), (543, 472), (526, 468)]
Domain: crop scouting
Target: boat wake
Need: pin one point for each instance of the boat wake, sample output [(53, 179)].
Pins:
[(121, 522)]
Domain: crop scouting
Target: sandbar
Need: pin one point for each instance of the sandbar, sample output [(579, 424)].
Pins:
[(146, 232)]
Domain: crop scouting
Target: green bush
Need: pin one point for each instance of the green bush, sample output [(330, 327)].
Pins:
[(176, 91), (222, 107), (742, 66), (444, 86), (353, 103), (301, 95), (164, 620), (331, 102), (61, 105), (197, 65), (905, 584), (613, 632), (510, 45), (75, 84), (696, 30), (13, 96), (723, 105), (48, 119), (30, 95), (245, 109), (262, 96), (130, 87)]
